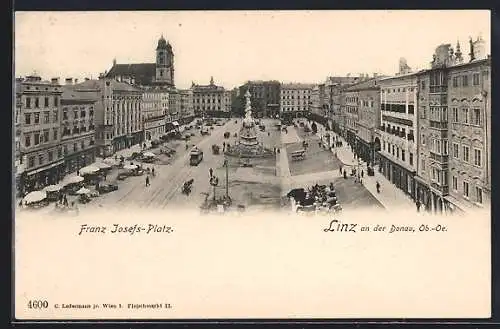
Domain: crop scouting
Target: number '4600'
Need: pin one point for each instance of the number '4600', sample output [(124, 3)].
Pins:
[(38, 304)]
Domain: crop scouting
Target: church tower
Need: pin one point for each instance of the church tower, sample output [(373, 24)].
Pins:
[(164, 63)]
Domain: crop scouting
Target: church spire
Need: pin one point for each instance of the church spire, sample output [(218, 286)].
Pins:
[(458, 53)]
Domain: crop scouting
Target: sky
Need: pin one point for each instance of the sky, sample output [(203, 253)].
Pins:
[(236, 46)]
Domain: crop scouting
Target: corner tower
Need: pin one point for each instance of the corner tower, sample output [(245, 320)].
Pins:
[(164, 63)]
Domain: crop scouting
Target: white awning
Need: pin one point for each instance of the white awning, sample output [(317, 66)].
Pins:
[(175, 123)]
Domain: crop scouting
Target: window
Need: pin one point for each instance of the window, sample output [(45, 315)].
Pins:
[(51, 156), (37, 102), (445, 147), (46, 117), (465, 115), (46, 102), (46, 137), (55, 133), (411, 159), (27, 118), (455, 81), (475, 79), (466, 189), (37, 138), (403, 155), (31, 161), (454, 182), (465, 81), (59, 152), (477, 157), (40, 159), (476, 117), (28, 102), (455, 150), (465, 153), (55, 115), (479, 195), (37, 117), (27, 140), (82, 145), (423, 113), (454, 114), (423, 139), (56, 101)]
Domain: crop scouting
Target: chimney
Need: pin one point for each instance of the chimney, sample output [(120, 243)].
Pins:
[(76, 81), (54, 81), (69, 81)]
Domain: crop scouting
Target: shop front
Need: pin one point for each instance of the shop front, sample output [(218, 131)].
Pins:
[(364, 150), (39, 178), (350, 137), (403, 178), (77, 160)]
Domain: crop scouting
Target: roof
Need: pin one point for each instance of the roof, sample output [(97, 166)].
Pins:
[(364, 85), (143, 73), (97, 85), (69, 95), (297, 86)]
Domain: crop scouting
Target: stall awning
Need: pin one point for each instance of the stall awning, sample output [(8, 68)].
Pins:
[(175, 123)]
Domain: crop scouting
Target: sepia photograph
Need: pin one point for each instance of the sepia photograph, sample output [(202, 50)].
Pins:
[(252, 164)]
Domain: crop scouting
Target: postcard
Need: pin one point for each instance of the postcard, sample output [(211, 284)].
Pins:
[(252, 165)]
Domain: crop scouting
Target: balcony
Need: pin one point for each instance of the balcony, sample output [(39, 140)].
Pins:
[(438, 89), (439, 157), (438, 124), (444, 189)]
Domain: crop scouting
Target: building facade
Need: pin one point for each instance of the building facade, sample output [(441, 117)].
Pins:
[(41, 159), (160, 73), (454, 113), (77, 130), (334, 101), (186, 105), (265, 97), (362, 106), (397, 136), (469, 101), (295, 99), (153, 114), (118, 117), (211, 100)]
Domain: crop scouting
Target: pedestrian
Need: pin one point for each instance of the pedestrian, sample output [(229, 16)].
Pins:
[(345, 174), (78, 172), (418, 205), (211, 171), (378, 187), (340, 169), (362, 173), (147, 180), (153, 171)]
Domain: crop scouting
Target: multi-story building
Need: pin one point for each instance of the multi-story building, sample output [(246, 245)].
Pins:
[(160, 73), (453, 150), (334, 101), (265, 97), (295, 99), (186, 105), (153, 114), (211, 100), (39, 108), (118, 117), (77, 129), (397, 137), (174, 106), (319, 108), (362, 114), (469, 133)]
